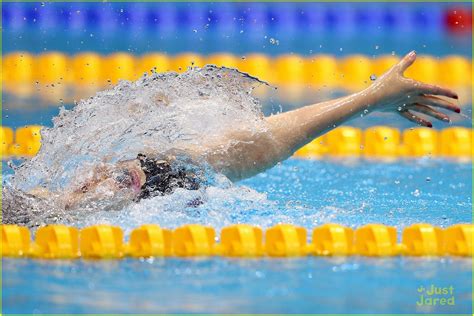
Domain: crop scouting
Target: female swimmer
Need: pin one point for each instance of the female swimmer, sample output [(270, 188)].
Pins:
[(240, 154)]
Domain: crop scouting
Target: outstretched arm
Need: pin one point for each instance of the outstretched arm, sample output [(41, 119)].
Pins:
[(242, 154)]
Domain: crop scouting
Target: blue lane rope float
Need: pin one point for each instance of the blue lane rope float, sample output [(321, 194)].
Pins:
[(253, 17)]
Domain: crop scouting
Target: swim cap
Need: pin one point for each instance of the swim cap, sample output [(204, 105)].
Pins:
[(162, 179)]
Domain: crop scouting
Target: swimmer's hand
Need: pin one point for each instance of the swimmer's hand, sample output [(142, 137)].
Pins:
[(394, 92)]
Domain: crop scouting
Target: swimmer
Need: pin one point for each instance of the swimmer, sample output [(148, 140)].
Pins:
[(240, 153)]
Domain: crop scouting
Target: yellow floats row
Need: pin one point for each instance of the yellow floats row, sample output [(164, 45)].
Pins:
[(353, 71), (241, 240), (388, 142), (24, 142), (378, 141)]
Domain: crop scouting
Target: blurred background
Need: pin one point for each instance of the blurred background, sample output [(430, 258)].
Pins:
[(54, 54)]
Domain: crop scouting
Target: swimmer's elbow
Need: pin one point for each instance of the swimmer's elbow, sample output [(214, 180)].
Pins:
[(241, 155)]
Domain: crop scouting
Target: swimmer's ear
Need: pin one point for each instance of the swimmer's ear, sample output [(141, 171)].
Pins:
[(406, 62)]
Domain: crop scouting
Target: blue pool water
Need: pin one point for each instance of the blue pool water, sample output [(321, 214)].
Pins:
[(307, 193), (310, 285)]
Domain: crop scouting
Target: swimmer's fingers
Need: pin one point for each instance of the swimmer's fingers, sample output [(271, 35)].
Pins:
[(438, 102), (422, 108), (414, 118), (406, 62), (426, 88)]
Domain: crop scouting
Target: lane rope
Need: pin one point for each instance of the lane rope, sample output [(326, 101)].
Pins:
[(376, 142), (251, 17), (240, 240), (350, 72)]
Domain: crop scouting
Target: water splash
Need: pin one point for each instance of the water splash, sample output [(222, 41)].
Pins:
[(159, 113)]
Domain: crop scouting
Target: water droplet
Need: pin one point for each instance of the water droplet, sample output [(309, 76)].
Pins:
[(397, 181), (274, 41), (416, 193), (373, 77), (428, 179)]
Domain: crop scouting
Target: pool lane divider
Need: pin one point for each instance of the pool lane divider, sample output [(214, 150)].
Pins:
[(351, 72), (375, 142), (240, 240), (164, 19), (388, 143)]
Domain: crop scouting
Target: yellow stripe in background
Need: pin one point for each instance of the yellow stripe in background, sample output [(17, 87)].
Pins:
[(351, 72), (386, 143), (241, 240), (381, 142)]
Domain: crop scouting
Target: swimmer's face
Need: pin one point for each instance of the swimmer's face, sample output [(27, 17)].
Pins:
[(125, 177), (129, 174)]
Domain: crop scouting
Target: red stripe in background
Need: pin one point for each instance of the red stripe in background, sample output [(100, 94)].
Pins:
[(458, 20)]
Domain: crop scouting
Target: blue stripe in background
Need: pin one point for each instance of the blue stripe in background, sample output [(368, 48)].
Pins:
[(303, 28)]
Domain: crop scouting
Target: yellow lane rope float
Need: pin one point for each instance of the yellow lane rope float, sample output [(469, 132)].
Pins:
[(350, 72), (387, 143), (375, 142), (240, 240)]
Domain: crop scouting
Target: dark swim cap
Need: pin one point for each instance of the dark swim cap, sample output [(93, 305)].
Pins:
[(162, 179)]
